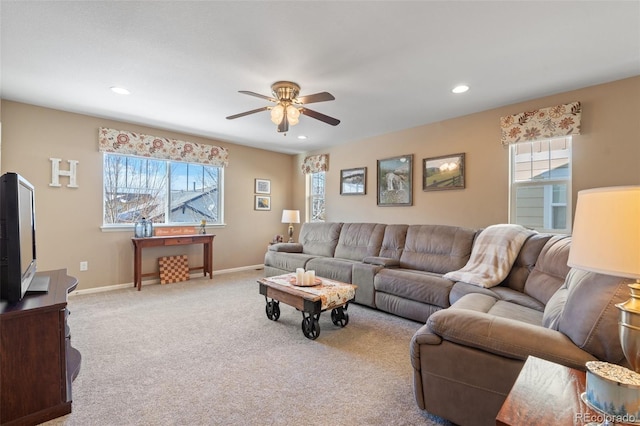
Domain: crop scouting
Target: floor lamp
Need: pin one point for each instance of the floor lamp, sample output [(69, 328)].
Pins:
[(291, 217)]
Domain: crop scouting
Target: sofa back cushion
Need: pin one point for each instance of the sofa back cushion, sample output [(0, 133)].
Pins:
[(437, 248), (393, 241), (525, 262), (320, 238), (359, 240), (583, 309), (551, 269)]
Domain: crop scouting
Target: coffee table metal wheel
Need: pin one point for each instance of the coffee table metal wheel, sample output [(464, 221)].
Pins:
[(273, 310), (339, 316), (310, 326)]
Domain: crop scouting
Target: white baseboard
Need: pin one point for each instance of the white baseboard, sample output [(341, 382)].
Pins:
[(157, 280)]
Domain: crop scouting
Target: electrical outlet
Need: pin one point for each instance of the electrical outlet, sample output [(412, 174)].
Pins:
[(84, 265)]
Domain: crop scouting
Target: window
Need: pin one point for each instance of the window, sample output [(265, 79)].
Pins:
[(540, 196), (161, 190), (316, 197)]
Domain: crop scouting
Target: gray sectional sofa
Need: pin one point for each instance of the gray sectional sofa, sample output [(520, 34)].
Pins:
[(474, 340)]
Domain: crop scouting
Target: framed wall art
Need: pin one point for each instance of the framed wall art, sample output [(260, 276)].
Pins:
[(353, 181), (263, 186), (263, 202), (395, 186), (442, 173)]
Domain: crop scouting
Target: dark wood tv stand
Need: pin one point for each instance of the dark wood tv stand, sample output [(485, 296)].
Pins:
[(37, 361)]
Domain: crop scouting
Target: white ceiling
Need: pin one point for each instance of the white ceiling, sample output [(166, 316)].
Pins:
[(391, 65)]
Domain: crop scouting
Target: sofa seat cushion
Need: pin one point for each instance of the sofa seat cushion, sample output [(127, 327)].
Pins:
[(500, 308), (461, 289), (500, 292), (423, 287), (286, 261), (512, 296), (332, 268)]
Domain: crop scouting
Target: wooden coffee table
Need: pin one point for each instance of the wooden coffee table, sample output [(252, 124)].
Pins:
[(311, 301)]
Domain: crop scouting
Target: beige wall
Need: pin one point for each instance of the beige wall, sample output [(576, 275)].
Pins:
[(607, 153), (69, 220)]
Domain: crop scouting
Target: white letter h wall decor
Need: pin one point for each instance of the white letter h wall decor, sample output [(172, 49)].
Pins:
[(56, 172)]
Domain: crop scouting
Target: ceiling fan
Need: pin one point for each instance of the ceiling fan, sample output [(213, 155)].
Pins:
[(289, 106)]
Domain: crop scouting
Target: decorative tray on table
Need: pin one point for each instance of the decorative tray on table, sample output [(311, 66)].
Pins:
[(294, 281)]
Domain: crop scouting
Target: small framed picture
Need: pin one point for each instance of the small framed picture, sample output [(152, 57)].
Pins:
[(395, 186), (263, 186), (353, 181), (263, 202), (442, 173)]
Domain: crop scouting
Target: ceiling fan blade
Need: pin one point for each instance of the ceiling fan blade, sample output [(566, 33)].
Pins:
[(242, 114), (316, 97), (258, 95), (319, 116)]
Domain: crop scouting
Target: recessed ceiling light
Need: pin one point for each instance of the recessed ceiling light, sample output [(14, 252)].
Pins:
[(460, 89), (120, 90), (302, 137)]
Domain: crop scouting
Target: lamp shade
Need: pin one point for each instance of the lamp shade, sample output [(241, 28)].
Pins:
[(293, 115), (606, 232), (290, 216), (277, 113)]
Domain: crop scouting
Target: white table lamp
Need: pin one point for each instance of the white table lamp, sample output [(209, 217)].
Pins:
[(290, 217), (606, 240)]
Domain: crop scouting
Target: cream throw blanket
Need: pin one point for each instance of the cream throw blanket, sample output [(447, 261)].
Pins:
[(493, 254)]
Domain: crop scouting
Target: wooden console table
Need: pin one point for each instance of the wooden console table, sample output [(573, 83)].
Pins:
[(545, 394), (139, 243), (37, 361)]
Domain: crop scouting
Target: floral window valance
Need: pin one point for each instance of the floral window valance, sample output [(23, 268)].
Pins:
[(315, 164), (129, 143), (544, 123)]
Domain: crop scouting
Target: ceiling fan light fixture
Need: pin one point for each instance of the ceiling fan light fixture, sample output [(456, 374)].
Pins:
[(288, 106), (277, 113), (293, 115)]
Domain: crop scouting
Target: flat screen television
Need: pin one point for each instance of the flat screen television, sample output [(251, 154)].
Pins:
[(17, 239)]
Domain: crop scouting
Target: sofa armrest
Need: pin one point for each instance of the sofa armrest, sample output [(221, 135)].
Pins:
[(506, 337), (424, 336), (387, 262), (286, 247)]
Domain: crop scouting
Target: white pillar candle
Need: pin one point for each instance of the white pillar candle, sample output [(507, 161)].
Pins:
[(312, 277), (300, 276)]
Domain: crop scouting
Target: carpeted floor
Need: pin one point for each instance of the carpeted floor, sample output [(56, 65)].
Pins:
[(203, 352)]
